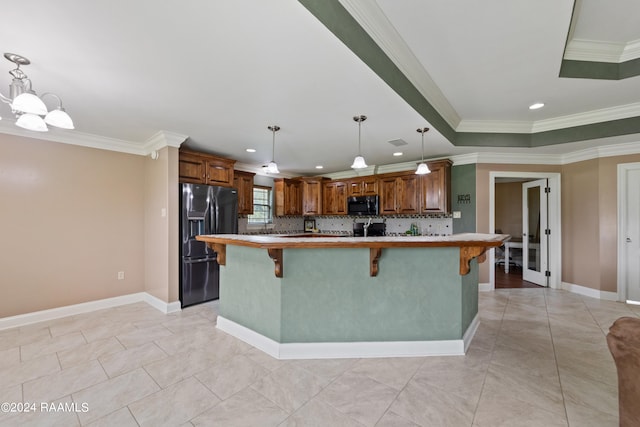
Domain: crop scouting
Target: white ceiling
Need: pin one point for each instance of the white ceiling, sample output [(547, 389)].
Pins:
[(220, 72)]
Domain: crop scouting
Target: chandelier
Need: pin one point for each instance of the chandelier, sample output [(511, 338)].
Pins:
[(29, 108)]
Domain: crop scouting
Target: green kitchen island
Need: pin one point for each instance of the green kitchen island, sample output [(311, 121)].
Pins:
[(304, 296)]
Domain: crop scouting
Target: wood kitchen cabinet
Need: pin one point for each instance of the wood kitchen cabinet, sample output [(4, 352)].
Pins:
[(399, 193), (435, 188), (312, 195), (363, 186), (199, 168), (243, 182), (334, 198), (288, 196)]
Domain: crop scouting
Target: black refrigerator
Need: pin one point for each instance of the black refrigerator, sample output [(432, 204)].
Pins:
[(204, 209)]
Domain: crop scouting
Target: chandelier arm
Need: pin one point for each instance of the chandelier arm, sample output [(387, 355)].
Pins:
[(5, 99), (55, 96)]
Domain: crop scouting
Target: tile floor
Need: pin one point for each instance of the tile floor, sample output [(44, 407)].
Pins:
[(539, 358)]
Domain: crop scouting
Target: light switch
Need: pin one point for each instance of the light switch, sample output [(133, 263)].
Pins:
[(457, 214), (163, 212)]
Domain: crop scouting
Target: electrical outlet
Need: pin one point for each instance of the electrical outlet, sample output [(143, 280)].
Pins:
[(457, 214), (120, 275)]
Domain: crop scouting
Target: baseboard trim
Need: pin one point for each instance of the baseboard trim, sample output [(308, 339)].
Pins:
[(348, 350), (86, 307), (485, 287), (590, 292)]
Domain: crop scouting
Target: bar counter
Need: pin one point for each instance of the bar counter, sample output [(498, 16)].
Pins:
[(309, 296)]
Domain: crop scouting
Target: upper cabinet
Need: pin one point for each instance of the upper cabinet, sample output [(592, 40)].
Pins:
[(334, 198), (243, 182), (199, 168), (312, 195), (399, 193), (363, 186), (288, 196), (435, 191)]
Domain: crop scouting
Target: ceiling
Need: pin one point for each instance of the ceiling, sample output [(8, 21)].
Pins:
[(219, 72)]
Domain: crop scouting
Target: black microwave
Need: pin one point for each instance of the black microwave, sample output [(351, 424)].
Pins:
[(362, 205)]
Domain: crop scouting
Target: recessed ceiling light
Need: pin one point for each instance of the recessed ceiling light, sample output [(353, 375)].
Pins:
[(398, 153), (319, 167), (251, 150), (536, 106)]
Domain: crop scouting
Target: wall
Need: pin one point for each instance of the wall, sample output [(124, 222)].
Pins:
[(508, 209), (589, 217), (463, 182), (70, 218), (161, 238)]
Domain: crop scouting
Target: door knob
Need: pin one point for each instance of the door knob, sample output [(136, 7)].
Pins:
[(628, 240)]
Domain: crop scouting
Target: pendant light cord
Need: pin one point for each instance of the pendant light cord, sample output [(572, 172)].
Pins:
[(422, 132)]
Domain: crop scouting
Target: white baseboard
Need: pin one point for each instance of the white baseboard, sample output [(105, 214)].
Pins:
[(590, 292), (86, 307), (346, 350), (485, 287)]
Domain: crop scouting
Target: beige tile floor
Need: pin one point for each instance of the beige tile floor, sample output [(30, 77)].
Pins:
[(539, 358)]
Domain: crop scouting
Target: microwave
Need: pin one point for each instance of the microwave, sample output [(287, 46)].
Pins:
[(362, 205)]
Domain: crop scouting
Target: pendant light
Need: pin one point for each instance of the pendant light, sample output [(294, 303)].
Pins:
[(423, 169), (358, 162), (273, 167)]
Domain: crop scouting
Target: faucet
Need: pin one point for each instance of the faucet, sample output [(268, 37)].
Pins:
[(366, 227)]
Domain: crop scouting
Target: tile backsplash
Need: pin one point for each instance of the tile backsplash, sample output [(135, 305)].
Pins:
[(428, 225)]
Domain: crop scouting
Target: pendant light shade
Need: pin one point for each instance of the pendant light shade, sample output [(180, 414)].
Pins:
[(59, 118), (29, 103), (32, 122), (358, 162), (272, 167), (423, 169)]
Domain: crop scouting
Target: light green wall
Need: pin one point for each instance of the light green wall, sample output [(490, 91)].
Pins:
[(327, 295), (463, 181)]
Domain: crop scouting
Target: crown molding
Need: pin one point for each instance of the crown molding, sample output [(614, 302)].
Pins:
[(562, 122), (587, 118), (495, 126), (74, 137), (602, 51), (163, 139), (373, 20), (594, 51), (159, 140)]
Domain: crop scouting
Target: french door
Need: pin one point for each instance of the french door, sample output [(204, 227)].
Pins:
[(535, 232)]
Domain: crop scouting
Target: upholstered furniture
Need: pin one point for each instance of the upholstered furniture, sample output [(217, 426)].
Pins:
[(624, 343)]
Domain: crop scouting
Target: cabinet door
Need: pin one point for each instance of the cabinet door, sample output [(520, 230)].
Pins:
[(369, 186), (408, 194), (192, 169), (219, 173), (293, 198), (354, 187), (435, 188), (388, 195), (312, 197), (328, 197), (243, 182), (340, 198)]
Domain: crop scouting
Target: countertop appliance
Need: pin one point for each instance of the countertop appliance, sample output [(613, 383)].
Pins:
[(204, 209), (362, 205)]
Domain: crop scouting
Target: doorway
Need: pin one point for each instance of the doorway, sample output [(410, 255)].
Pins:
[(535, 248), (629, 232)]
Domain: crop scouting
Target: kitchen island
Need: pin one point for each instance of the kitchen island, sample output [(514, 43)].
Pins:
[(321, 297)]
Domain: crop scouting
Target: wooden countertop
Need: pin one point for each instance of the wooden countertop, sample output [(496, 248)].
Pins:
[(471, 245), (297, 241)]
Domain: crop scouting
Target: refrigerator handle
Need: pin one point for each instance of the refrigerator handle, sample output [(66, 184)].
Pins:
[(213, 217)]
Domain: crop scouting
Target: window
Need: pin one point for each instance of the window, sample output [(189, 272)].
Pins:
[(262, 206)]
